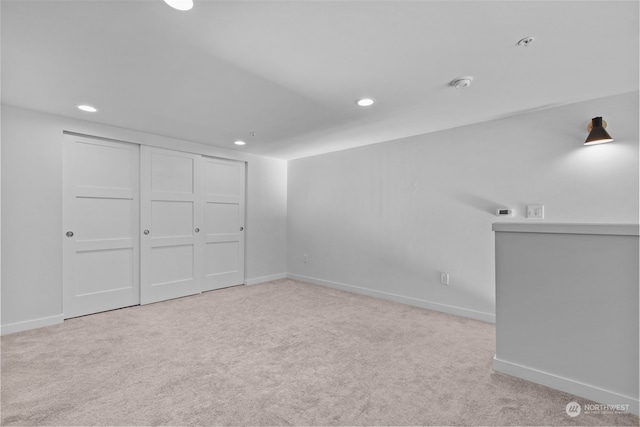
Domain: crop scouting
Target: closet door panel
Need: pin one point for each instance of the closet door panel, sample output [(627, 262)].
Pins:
[(224, 215), (222, 218), (171, 217), (100, 225)]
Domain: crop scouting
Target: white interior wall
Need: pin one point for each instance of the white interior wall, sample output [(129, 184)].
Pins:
[(385, 219), (381, 219), (32, 211)]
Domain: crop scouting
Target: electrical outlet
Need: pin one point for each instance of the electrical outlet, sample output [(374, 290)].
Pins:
[(535, 211), (444, 278), (305, 258)]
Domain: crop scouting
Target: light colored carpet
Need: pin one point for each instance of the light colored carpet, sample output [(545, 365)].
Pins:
[(280, 353)]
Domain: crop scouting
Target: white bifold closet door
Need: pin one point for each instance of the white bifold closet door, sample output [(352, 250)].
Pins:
[(224, 199), (100, 225), (171, 241)]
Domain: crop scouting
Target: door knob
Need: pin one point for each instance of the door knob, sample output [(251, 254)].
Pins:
[(197, 230), (241, 228), (146, 232), (69, 233)]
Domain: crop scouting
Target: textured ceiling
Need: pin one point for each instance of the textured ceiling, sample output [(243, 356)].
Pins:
[(290, 71)]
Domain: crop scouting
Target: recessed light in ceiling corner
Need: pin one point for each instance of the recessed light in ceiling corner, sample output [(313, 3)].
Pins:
[(239, 142), (182, 5), (365, 102), (87, 108), (526, 41), (461, 82)]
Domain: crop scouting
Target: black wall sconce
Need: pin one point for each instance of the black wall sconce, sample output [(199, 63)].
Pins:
[(597, 132)]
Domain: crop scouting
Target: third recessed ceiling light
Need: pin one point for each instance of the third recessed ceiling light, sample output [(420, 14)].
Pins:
[(87, 108), (365, 102), (462, 82), (182, 5), (526, 41)]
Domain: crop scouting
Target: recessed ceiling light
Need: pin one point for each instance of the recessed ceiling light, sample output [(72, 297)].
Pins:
[(526, 41), (87, 108), (365, 102), (462, 82), (180, 4), (238, 142)]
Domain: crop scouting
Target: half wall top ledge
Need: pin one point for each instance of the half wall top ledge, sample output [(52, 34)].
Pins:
[(568, 228)]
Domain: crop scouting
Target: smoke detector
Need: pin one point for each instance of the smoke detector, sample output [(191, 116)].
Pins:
[(462, 82)]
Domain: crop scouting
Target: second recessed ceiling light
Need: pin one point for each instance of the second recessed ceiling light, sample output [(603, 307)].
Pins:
[(180, 4), (365, 102), (462, 82), (87, 108)]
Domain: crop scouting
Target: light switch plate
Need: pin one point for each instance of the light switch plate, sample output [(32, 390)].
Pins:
[(535, 211)]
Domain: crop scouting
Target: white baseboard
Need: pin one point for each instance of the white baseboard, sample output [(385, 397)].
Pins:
[(31, 324), (577, 388), (264, 279), (458, 311)]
